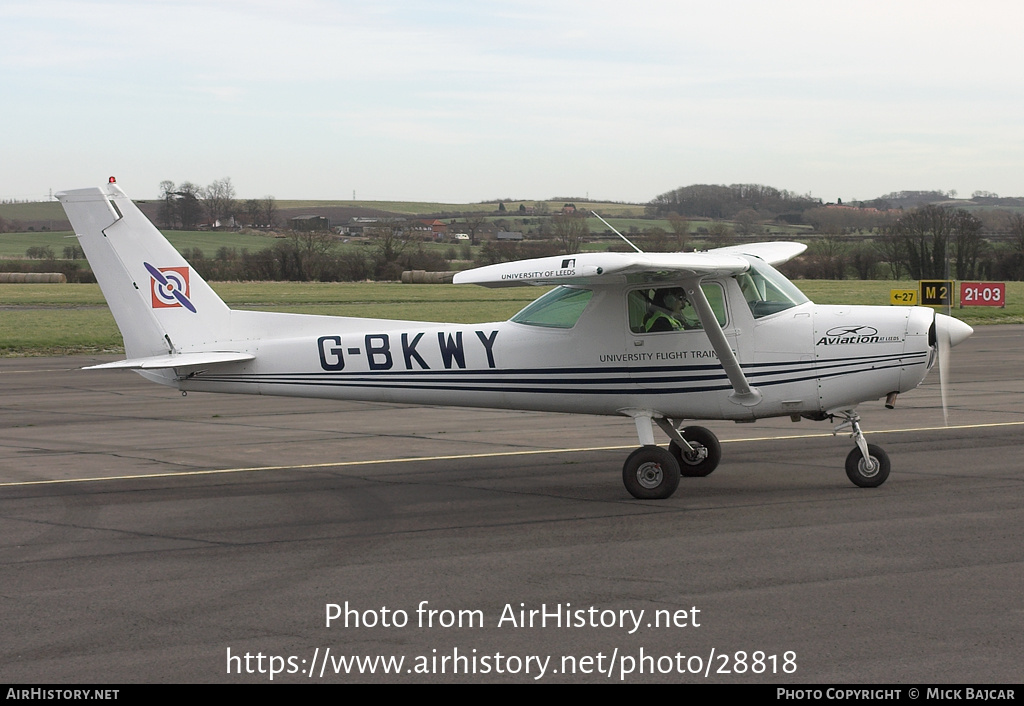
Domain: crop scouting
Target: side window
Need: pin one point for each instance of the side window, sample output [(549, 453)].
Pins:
[(654, 310)]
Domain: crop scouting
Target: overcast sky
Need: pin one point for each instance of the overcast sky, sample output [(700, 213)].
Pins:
[(467, 101)]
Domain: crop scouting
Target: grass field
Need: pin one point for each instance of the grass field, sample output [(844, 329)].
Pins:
[(14, 245), (48, 319), (34, 211)]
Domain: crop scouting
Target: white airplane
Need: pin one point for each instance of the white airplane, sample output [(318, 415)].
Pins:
[(657, 337)]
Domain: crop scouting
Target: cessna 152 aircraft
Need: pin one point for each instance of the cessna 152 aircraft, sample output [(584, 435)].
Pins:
[(657, 337)]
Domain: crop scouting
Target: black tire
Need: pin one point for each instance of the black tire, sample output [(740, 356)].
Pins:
[(651, 473), (691, 465), (857, 470)]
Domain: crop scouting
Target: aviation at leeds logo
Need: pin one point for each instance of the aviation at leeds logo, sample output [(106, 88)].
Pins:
[(854, 334), (169, 287)]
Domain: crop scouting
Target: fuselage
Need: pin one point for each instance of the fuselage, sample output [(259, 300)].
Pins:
[(587, 351)]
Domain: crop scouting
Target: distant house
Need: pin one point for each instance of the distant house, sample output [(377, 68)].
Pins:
[(228, 223), (311, 223), (569, 208), (509, 235), (437, 228), (357, 226), (859, 209)]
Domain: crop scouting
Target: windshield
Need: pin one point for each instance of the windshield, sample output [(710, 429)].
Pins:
[(767, 291), (559, 308)]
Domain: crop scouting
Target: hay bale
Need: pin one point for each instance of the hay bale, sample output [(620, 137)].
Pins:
[(32, 278)]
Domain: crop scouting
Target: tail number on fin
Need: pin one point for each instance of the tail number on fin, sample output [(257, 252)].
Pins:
[(169, 287)]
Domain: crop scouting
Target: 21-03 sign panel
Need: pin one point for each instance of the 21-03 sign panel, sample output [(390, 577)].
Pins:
[(982, 294)]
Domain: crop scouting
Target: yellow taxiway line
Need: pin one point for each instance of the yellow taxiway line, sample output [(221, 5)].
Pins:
[(452, 457)]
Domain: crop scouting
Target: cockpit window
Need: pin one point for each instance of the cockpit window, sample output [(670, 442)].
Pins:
[(653, 310), (562, 307), (767, 291)]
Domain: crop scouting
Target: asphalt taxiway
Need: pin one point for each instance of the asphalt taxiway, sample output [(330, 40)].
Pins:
[(149, 537)]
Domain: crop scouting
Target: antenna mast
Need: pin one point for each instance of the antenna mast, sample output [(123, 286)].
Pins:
[(630, 244)]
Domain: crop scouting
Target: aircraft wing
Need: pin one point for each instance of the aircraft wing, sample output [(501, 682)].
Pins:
[(606, 267), (609, 267), (772, 253), (175, 360)]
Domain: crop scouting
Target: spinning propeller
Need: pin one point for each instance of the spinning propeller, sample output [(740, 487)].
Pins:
[(948, 333)]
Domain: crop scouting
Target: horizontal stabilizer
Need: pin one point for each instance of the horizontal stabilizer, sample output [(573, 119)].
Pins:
[(175, 360)]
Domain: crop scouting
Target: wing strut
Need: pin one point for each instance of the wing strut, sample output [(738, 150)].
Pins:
[(743, 393)]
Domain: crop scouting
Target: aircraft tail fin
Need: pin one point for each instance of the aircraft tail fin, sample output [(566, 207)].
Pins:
[(161, 305)]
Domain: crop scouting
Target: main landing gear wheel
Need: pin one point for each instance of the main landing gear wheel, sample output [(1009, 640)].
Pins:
[(651, 473), (866, 475), (704, 458)]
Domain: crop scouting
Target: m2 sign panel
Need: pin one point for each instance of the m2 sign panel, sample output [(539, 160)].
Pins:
[(936, 292)]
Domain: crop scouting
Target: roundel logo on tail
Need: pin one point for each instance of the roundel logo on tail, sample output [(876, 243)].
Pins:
[(169, 287)]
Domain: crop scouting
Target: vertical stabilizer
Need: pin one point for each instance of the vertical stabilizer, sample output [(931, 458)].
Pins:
[(160, 303)]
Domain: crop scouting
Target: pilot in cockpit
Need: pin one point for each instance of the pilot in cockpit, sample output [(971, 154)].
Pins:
[(671, 310)]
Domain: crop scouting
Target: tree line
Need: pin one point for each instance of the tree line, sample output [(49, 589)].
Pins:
[(719, 201), (187, 206), (316, 256), (929, 242)]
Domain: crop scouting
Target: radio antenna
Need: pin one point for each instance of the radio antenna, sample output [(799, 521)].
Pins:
[(630, 244)]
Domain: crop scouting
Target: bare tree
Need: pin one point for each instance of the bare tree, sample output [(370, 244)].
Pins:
[(680, 228), (967, 243), (570, 231), (1015, 222), (828, 258), (219, 201), (864, 259), (270, 211), (890, 247), (924, 234), (473, 225), (312, 253), (168, 212), (746, 219), (931, 235), (720, 234), (389, 243), (655, 239), (254, 210), (40, 252), (187, 205)]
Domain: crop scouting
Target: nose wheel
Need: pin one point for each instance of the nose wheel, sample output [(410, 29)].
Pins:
[(867, 465), (870, 471)]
